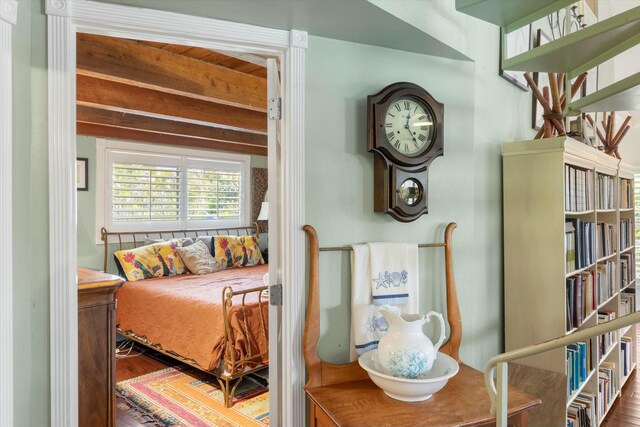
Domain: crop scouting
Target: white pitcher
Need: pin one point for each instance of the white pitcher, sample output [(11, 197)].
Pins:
[(405, 351)]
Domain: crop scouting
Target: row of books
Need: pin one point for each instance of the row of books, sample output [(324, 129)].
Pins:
[(626, 233), (580, 361), (627, 302), (607, 386), (604, 191), (626, 355), (608, 338), (578, 189), (582, 411), (605, 239), (581, 298), (605, 281), (627, 268), (626, 193), (579, 243)]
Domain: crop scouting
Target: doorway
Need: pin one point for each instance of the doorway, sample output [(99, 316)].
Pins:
[(65, 20)]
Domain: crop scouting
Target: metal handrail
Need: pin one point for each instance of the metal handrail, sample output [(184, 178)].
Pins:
[(499, 393)]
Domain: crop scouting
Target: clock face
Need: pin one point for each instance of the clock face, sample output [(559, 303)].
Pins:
[(409, 126)]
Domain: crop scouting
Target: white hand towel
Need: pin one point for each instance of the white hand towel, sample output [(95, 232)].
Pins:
[(394, 272), (367, 324)]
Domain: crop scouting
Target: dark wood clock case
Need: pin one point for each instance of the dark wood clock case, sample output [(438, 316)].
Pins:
[(392, 168)]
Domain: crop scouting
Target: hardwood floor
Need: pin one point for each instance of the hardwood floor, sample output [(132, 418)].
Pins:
[(626, 410)]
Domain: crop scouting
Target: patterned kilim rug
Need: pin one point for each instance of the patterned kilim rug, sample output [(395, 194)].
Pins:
[(186, 397)]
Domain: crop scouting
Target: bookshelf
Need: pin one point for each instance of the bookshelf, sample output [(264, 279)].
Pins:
[(569, 264)]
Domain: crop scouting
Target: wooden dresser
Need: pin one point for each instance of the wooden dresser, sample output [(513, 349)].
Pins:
[(96, 348)]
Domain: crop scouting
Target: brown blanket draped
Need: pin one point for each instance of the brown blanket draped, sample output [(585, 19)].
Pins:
[(183, 314)]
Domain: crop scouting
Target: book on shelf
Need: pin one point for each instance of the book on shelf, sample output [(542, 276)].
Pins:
[(626, 233), (627, 268), (605, 280), (626, 355), (582, 411), (579, 363), (607, 385), (581, 298), (627, 302), (604, 192), (578, 184), (626, 193), (579, 243), (570, 246), (608, 338), (605, 239)]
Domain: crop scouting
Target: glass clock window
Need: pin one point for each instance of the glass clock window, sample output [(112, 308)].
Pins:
[(409, 126), (410, 191)]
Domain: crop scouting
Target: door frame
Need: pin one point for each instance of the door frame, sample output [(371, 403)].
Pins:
[(65, 18), (8, 17)]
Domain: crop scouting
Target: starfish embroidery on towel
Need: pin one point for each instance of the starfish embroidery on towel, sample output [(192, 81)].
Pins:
[(393, 279), (380, 281)]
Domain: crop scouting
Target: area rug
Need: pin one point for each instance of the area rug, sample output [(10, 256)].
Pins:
[(185, 397)]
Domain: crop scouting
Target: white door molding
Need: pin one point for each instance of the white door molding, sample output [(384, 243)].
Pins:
[(8, 16), (66, 17)]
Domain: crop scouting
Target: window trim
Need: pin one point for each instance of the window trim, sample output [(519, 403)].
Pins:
[(104, 146)]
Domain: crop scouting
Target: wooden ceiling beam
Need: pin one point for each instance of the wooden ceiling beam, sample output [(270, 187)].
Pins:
[(105, 131), (131, 120), (132, 62), (93, 91)]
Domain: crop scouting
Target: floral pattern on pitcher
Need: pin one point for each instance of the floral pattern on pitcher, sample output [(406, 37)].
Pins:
[(409, 363)]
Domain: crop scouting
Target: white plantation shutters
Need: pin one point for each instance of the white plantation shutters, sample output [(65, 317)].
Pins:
[(172, 189), (145, 193), (213, 194)]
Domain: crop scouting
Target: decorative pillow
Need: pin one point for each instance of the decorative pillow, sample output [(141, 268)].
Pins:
[(237, 251), (207, 241), (186, 241), (156, 260), (198, 259)]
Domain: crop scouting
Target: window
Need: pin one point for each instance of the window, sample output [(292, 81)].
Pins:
[(144, 187)]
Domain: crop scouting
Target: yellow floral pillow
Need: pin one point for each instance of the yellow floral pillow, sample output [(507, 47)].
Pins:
[(237, 251), (156, 260)]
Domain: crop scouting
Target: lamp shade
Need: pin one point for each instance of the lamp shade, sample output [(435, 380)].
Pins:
[(264, 212)]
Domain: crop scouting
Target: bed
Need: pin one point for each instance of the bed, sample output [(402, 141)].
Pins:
[(216, 322)]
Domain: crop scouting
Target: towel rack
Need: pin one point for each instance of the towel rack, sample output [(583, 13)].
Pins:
[(349, 248)]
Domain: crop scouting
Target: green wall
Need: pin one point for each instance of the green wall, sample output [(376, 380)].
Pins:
[(91, 254), (464, 185), (481, 111)]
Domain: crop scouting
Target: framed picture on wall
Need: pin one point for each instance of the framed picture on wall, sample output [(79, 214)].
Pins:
[(82, 174), (517, 42)]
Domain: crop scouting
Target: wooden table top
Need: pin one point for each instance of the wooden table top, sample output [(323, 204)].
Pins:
[(462, 402), (89, 279)]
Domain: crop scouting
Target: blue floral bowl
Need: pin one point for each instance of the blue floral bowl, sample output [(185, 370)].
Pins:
[(407, 389)]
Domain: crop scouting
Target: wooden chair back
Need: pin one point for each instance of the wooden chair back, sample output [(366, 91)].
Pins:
[(322, 373)]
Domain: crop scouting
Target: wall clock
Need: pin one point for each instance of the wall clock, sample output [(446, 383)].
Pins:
[(405, 133)]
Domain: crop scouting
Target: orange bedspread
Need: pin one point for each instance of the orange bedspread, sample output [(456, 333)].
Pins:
[(183, 313)]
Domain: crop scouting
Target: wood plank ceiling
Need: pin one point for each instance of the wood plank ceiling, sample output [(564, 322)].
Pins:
[(171, 94)]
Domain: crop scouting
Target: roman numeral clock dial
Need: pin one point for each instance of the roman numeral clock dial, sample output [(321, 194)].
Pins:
[(405, 133)]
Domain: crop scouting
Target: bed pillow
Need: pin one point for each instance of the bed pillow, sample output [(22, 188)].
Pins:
[(237, 251), (156, 260), (186, 241), (207, 241), (197, 258)]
